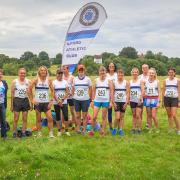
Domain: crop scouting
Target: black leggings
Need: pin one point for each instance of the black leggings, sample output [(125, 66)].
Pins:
[(64, 109)]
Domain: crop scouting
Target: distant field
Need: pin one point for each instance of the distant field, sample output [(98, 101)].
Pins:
[(146, 156)]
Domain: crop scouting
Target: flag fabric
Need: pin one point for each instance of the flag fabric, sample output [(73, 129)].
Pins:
[(82, 30)]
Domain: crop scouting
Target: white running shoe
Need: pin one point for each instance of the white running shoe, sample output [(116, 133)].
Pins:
[(178, 132), (67, 133), (39, 134), (59, 134), (51, 134)]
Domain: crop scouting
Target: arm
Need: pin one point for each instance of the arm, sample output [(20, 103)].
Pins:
[(159, 91), (178, 93), (127, 92), (163, 92), (30, 91), (111, 87), (142, 91), (12, 94), (52, 93), (90, 89)]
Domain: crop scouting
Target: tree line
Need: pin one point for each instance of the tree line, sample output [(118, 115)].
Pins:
[(126, 59)]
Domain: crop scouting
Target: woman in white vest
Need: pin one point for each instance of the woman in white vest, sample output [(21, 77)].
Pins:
[(82, 92), (112, 76), (41, 100), (120, 101), (20, 101), (102, 95), (136, 100), (152, 98), (171, 99), (60, 101), (69, 78)]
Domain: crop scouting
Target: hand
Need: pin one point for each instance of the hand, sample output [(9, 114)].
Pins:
[(31, 107), (178, 104), (125, 105), (11, 109), (158, 105), (35, 102), (110, 104), (115, 106), (50, 104), (60, 103), (92, 104)]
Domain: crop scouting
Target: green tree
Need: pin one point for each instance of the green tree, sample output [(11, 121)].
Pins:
[(128, 52), (57, 59), (27, 56), (43, 56), (149, 55)]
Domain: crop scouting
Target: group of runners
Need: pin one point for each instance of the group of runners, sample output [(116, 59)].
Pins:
[(109, 91)]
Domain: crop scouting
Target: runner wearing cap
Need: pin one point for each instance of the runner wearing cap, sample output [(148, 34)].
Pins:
[(81, 90), (60, 101)]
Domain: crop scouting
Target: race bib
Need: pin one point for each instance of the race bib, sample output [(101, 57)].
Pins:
[(60, 95), (42, 96), (21, 93), (101, 92), (80, 92), (120, 96), (134, 95)]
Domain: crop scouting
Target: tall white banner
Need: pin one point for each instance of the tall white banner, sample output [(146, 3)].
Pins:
[(82, 30)]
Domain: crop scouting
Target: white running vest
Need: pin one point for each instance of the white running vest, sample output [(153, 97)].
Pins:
[(135, 91), (143, 78), (60, 90), (42, 91), (21, 89), (171, 88), (2, 93), (112, 77), (151, 88), (120, 91), (70, 83), (81, 86), (102, 90)]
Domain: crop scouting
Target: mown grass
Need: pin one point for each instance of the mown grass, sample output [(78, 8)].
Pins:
[(146, 156)]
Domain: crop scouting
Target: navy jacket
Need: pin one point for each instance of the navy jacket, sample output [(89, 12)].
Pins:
[(6, 89)]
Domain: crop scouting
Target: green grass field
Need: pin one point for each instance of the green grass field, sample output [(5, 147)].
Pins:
[(146, 156)]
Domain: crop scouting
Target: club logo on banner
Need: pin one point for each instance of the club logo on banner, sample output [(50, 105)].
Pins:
[(82, 30), (89, 16)]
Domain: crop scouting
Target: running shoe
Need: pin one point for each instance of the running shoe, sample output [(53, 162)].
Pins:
[(67, 133), (39, 134), (133, 131), (14, 135), (178, 132), (91, 133), (113, 132), (120, 132), (157, 131), (51, 134), (138, 131), (59, 134)]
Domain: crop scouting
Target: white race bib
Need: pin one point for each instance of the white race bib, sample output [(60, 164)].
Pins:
[(101, 92), (80, 92), (120, 96)]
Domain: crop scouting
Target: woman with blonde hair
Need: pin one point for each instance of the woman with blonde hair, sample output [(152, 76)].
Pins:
[(41, 100), (136, 100), (152, 98)]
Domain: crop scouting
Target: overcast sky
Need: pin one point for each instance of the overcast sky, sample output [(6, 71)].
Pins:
[(37, 25)]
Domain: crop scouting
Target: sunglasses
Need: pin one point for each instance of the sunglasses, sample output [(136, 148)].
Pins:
[(60, 73)]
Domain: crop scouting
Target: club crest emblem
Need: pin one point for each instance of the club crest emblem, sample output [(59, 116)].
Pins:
[(89, 16)]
